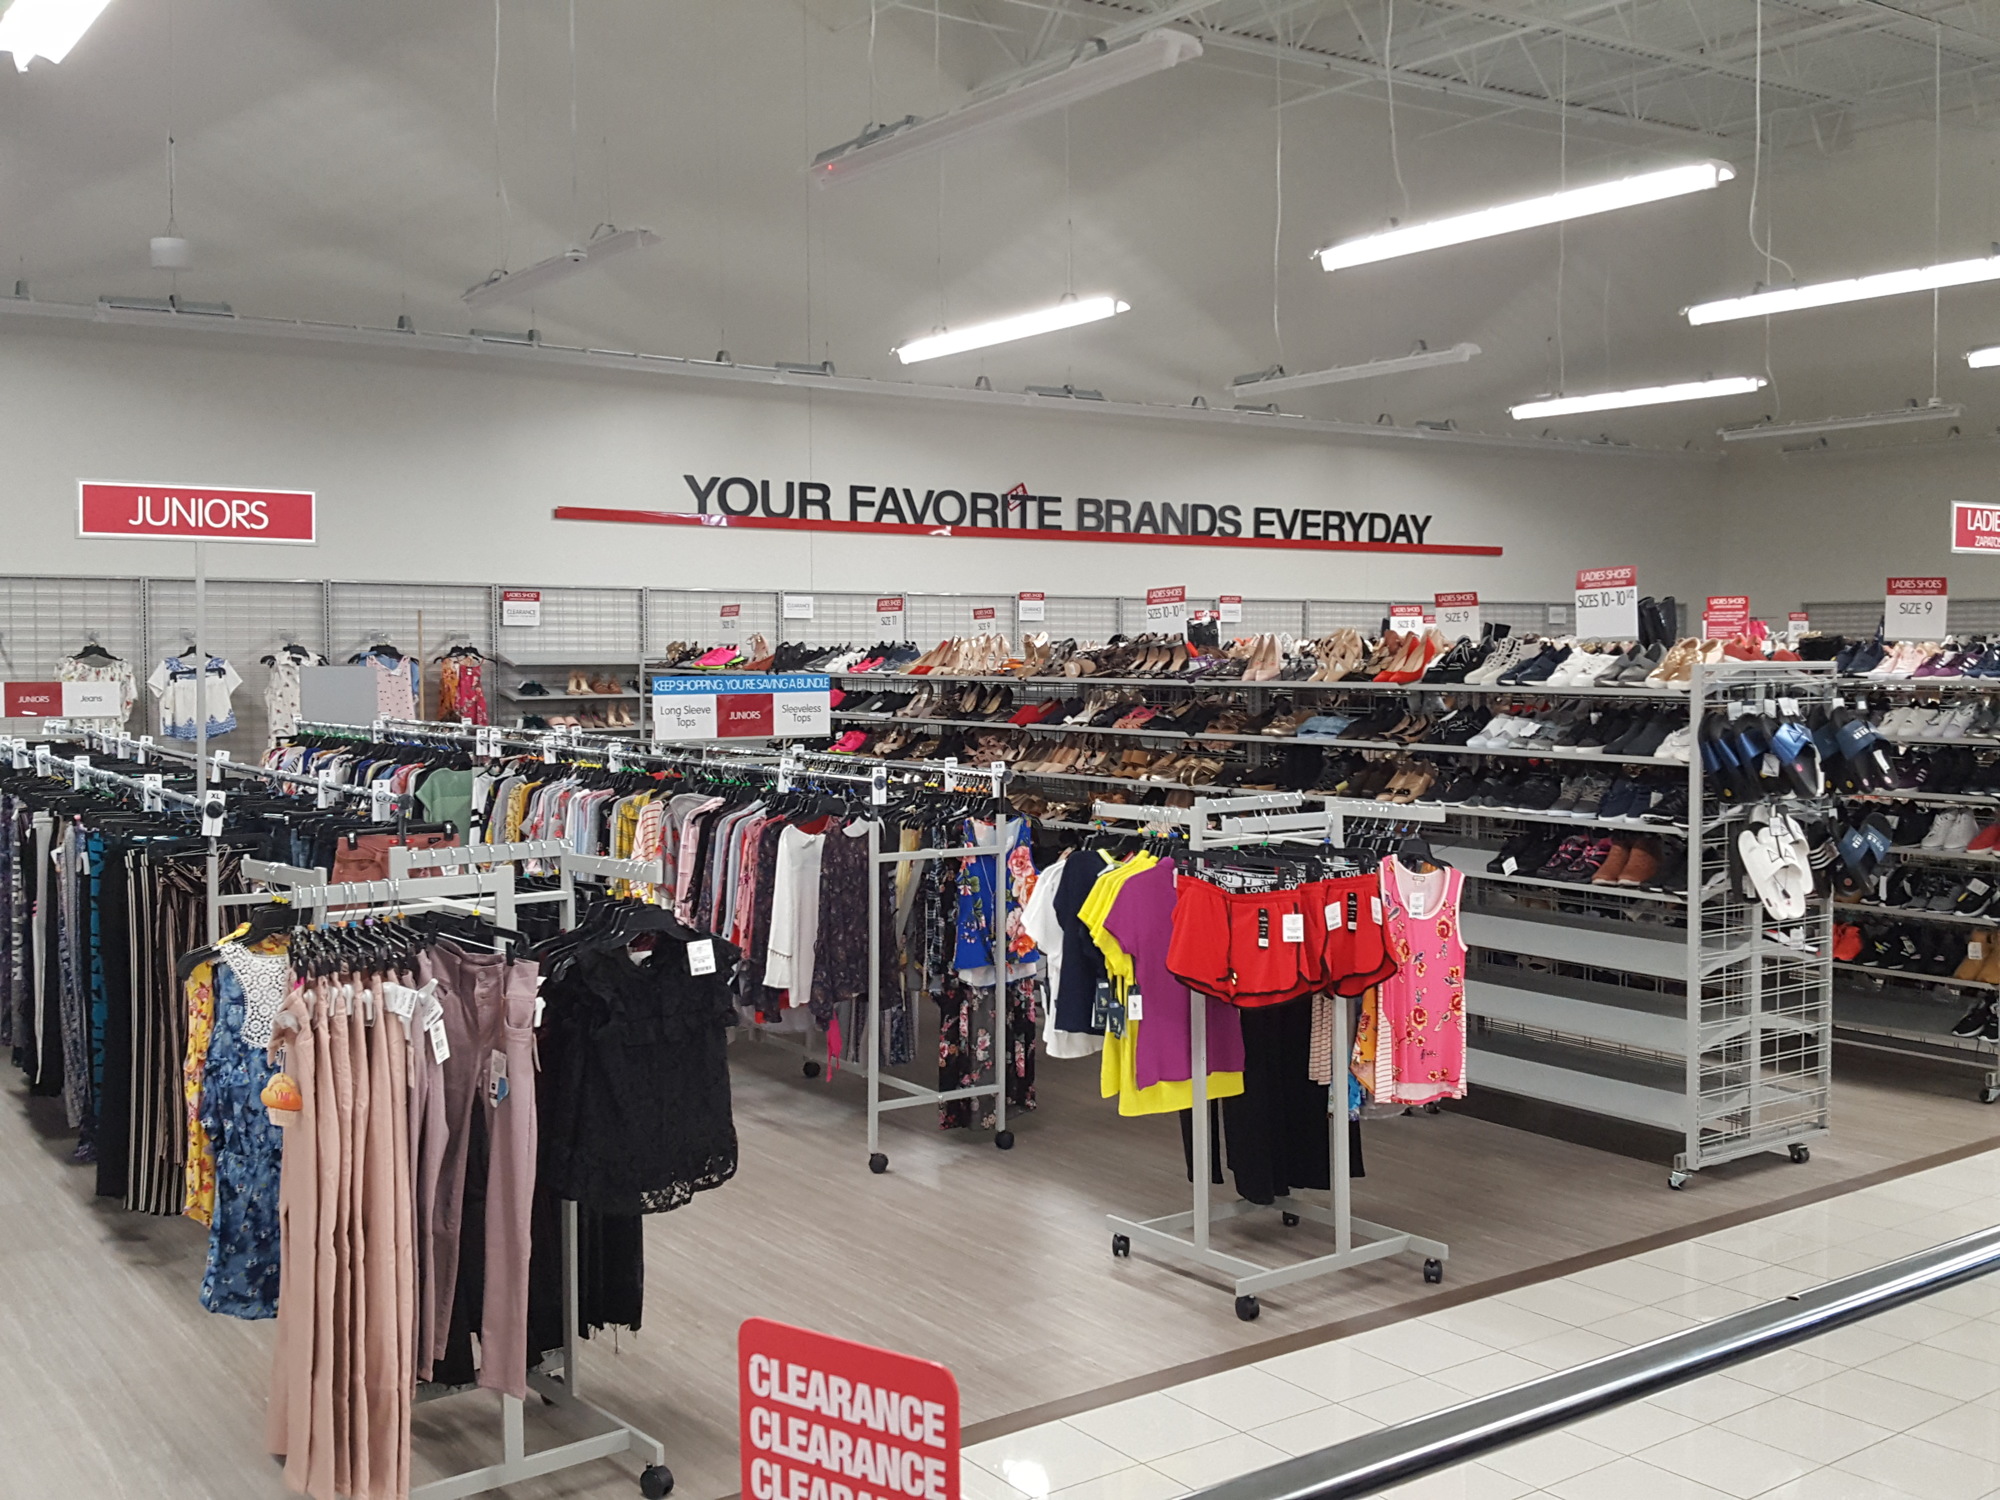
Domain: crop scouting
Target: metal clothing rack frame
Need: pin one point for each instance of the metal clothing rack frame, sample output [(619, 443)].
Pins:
[(1230, 822), (407, 891)]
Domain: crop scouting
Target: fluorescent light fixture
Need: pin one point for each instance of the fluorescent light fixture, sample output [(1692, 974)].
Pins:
[(1530, 213), (45, 28), (503, 286), (1854, 289), (880, 145), (1930, 411), (1276, 379), (1067, 314), (1652, 395), (1983, 359)]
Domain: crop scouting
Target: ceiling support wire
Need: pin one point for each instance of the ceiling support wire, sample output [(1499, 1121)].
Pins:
[(1937, 186), (1756, 185), (1562, 226), (575, 211), (874, 114), (1278, 184), (1069, 220), (937, 88), (499, 176), (1389, 85)]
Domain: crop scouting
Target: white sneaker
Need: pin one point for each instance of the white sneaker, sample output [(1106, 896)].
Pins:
[(1493, 736), (1505, 655), (1964, 828), (1679, 745), (1953, 725)]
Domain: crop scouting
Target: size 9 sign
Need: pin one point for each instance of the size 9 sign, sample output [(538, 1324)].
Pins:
[(1458, 616), (1607, 603), (1913, 609)]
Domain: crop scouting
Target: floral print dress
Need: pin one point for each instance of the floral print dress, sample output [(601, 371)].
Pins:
[(1420, 1047), (241, 1278)]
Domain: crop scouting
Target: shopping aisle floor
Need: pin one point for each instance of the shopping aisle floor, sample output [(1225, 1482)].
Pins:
[(1904, 1406), (116, 1383)]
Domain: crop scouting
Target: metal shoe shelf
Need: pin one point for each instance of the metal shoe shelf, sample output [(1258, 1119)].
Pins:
[(1675, 1009)]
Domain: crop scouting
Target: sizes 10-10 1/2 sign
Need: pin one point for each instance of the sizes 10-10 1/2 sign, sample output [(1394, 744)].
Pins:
[(822, 1418), (744, 706), (1913, 609), (1607, 603)]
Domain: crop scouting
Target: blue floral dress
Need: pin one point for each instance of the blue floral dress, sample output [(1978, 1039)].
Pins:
[(242, 1275)]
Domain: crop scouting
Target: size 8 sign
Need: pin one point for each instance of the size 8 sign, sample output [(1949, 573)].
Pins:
[(1458, 616), (1913, 609), (1607, 602)]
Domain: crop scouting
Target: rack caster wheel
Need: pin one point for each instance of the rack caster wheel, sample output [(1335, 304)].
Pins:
[(1290, 1221), (656, 1482), (1433, 1272), (1247, 1309), (1801, 1152), (1121, 1246), (1432, 1109), (878, 1163), (1988, 1094), (811, 1068), (1677, 1180), (1004, 1140)]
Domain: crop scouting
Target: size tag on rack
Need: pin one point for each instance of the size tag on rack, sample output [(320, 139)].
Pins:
[(998, 771), (548, 749), (701, 956), (878, 786), (20, 754), (1292, 926), (1789, 707), (149, 796), (212, 812), (79, 764), (57, 727), (381, 803), (785, 764), (41, 760), (614, 758), (375, 728), (950, 774), (145, 750), (326, 797)]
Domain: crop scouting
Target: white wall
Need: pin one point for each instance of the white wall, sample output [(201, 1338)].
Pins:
[(429, 468)]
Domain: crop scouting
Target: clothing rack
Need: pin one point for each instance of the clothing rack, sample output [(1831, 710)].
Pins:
[(406, 892), (782, 768), (1228, 822)]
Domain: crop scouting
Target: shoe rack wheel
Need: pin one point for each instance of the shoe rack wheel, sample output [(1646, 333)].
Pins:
[(1433, 1272), (878, 1163), (1004, 1140), (810, 1068), (1290, 1221), (1677, 1179), (1801, 1152), (1121, 1246), (1988, 1094), (1432, 1109), (1247, 1309), (656, 1482)]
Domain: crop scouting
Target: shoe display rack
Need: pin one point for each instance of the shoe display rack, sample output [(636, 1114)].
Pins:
[(542, 694), (1917, 954)]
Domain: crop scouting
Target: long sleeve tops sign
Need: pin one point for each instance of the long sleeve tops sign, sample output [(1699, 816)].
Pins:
[(827, 1419)]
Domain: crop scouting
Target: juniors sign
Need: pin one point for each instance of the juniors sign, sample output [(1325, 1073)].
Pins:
[(196, 513), (823, 1418), (908, 510), (749, 706), (60, 700)]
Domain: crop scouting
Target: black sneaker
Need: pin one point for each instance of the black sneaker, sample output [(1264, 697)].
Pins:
[(1976, 1021)]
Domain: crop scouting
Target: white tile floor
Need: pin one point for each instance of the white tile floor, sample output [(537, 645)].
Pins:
[(1903, 1407)]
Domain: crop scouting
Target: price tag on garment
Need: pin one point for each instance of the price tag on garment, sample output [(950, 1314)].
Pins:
[(325, 796), (1607, 602), (78, 765), (1135, 1006), (548, 749), (701, 956), (1914, 609), (381, 803), (1292, 927), (496, 1077), (213, 811), (878, 786), (440, 1044), (400, 999), (376, 728), (150, 799), (1419, 904), (145, 750), (1975, 949)]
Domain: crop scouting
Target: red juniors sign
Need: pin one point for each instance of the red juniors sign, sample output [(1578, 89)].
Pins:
[(826, 1419), (31, 700), (196, 513)]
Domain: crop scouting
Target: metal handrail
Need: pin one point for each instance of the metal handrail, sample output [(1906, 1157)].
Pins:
[(1394, 1455)]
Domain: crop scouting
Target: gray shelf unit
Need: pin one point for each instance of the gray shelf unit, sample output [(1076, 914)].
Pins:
[(1884, 1010)]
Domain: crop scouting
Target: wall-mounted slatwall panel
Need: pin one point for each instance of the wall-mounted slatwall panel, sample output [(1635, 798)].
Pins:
[(1076, 617), (423, 619), (1863, 616), (42, 620), (580, 626), (1527, 618), (934, 617), (246, 619), (1325, 616), (1268, 616), (696, 615)]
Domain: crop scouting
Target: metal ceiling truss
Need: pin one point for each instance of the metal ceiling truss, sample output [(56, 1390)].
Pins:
[(1676, 68)]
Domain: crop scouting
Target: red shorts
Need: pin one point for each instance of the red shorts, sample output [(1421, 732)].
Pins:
[(1356, 952), (1249, 948)]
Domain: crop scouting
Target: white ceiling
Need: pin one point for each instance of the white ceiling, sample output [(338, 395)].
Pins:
[(338, 162)]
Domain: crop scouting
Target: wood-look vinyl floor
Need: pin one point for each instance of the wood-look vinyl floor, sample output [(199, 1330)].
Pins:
[(114, 1383)]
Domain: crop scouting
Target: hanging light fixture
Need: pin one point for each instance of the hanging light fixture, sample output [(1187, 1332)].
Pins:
[(1651, 395), (1068, 313), (45, 28), (1530, 213), (1853, 289), (1275, 378)]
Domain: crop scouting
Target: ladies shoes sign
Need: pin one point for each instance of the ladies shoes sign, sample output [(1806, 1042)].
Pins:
[(197, 513)]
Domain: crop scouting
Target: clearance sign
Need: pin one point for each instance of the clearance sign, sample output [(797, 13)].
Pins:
[(827, 1419), (198, 513)]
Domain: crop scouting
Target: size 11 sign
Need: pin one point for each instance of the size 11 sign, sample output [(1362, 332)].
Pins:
[(889, 616), (823, 1418), (1458, 616), (1031, 606), (1726, 615), (1913, 609), (1166, 610), (1229, 609), (1607, 602), (1974, 527), (521, 607)]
